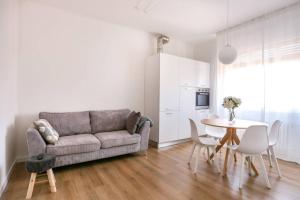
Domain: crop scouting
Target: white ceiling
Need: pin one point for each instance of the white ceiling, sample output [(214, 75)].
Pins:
[(189, 20)]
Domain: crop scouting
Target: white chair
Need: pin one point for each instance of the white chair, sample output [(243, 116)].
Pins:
[(273, 138), (215, 132), (201, 142), (253, 143)]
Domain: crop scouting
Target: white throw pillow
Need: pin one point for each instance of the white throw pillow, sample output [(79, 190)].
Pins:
[(47, 131)]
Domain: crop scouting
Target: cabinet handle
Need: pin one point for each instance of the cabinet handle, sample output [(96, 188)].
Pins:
[(169, 113)]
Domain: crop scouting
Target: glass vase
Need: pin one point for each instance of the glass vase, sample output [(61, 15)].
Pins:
[(231, 115)]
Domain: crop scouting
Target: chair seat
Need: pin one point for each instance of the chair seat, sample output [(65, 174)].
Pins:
[(232, 147), (208, 141), (73, 144), (216, 134), (40, 163), (117, 138)]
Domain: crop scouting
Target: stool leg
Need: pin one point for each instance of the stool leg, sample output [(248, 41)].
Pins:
[(31, 185), (51, 180)]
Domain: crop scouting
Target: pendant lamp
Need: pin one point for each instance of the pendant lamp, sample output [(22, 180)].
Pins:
[(228, 53)]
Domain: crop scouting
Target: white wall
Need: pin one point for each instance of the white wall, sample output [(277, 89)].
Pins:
[(8, 85), (70, 62), (205, 50), (179, 48)]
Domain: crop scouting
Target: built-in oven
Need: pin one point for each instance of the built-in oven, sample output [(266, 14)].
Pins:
[(202, 98)]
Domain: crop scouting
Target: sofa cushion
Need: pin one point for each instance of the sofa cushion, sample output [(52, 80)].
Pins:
[(68, 123), (132, 121), (74, 144), (108, 120), (117, 138)]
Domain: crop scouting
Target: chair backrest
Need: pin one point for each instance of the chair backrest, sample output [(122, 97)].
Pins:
[(194, 131), (274, 132), (255, 140)]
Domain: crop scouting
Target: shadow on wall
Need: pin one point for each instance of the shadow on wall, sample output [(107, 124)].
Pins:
[(10, 142), (10, 154), (23, 122)]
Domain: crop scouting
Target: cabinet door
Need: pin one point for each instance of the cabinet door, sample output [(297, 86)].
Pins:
[(188, 76), (168, 126), (201, 114), (202, 74), (169, 83), (187, 110)]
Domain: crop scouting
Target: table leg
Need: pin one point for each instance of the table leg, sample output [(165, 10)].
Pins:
[(225, 162), (228, 140), (222, 142), (232, 142)]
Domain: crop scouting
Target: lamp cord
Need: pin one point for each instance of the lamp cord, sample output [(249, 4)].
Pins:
[(227, 21)]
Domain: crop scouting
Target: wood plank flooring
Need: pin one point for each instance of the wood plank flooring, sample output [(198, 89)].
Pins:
[(163, 174)]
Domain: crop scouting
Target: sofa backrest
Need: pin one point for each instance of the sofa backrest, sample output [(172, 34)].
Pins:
[(108, 120), (68, 123)]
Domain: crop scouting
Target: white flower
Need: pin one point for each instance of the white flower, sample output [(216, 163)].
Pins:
[(231, 102)]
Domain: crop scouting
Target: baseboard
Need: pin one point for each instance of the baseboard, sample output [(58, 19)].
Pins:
[(165, 144), (21, 159), (6, 178)]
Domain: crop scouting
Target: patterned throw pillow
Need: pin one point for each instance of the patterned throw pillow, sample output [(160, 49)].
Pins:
[(47, 131)]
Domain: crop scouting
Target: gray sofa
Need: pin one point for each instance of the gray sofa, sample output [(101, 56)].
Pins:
[(88, 135)]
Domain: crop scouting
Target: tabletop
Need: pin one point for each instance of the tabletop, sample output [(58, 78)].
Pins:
[(238, 124)]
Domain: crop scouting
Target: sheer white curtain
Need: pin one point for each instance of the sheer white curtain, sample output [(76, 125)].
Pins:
[(266, 75)]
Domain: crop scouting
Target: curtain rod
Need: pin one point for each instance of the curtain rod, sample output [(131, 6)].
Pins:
[(262, 17)]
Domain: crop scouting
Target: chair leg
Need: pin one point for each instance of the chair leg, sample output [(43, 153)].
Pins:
[(217, 165), (234, 156), (191, 154), (51, 180), (208, 154), (269, 157), (197, 159), (242, 171), (249, 165), (31, 185), (262, 166), (231, 157), (276, 162)]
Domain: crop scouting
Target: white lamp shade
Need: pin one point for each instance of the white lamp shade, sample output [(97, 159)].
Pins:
[(227, 54)]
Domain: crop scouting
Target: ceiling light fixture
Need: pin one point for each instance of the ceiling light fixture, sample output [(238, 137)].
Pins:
[(228, 53)]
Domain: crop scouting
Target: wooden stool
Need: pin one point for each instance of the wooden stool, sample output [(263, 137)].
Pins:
[(37, 165)]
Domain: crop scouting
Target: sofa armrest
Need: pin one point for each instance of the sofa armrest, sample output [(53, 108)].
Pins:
[(35, 142), (144, 132)]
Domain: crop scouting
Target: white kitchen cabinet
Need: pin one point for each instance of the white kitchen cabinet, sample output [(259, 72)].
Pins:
[(169, 83), (168, 129), (170, 89), (194, 73), (186, 111), (188, 76), (203, 74)]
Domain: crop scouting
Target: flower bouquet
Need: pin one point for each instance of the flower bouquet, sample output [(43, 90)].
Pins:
[(231, 103)]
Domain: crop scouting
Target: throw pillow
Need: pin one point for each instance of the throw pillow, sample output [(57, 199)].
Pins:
[(47, 131), (132, 121)]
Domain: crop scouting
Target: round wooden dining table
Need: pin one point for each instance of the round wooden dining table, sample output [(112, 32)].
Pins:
[(231, 137)]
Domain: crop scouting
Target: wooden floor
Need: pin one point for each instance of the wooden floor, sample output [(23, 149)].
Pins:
[(164, 174)]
